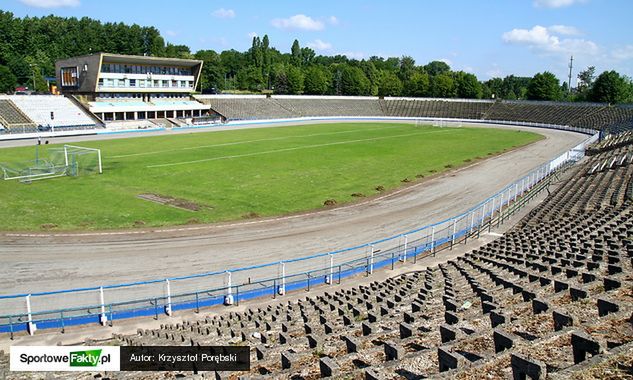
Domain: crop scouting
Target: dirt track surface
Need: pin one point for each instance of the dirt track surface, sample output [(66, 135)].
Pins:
[(45, 262)]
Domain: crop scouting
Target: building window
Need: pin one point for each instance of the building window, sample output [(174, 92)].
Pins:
[(165, 83), (69, 77), (100, 82), (132, 82)]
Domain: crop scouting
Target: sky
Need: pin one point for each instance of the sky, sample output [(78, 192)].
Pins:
[(490, 38)]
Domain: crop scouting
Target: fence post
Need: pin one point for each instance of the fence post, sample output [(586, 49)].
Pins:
[(472, 225), (454, 231), (30, 326), (282, 287), (516, 192), (404, 253), (228, 299), (371, 259), (168, 305), (483, 217), (492, 213), (103, 319), (500, 213), (329, 278), (433, 240)]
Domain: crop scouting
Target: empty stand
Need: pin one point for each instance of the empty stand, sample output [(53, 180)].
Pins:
[(539, 301), (439, 108), (13, 119), (66, 114)]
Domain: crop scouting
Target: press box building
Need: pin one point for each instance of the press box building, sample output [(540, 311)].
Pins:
[(118, 87)]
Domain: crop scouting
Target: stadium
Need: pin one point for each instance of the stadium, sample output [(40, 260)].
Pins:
[(312, 236)]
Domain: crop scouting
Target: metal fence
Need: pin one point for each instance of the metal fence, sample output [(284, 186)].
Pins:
[(104, 304)]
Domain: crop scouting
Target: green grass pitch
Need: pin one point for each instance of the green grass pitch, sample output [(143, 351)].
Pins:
[(230, 175)]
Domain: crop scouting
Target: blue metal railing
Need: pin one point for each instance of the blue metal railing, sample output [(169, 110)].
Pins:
[(425, 240)]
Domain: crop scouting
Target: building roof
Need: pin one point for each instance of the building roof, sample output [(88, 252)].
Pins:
[(120, 58), (140, 59)]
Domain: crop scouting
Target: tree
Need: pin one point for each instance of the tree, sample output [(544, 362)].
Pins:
[(407, 68), (610, 87), (353, 81), (7, 80), (250, 78), (544, 86), (178, 51), (443, 86), (373, 74), (437, 67), (514, 87), (295, 80), (495, 87), (295, 52), (390, 84), (467, 86), (418, 84), (307, 56), (315, 81)]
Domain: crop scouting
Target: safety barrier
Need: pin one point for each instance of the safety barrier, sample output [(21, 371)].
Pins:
[(104, 304)]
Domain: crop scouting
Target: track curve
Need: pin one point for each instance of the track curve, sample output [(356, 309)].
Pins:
[(42, 262)]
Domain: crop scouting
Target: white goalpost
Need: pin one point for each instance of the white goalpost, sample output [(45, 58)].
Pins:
[(70, 160), (82, 151)]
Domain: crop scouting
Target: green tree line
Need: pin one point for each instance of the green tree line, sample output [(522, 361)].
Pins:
[(30, 46)]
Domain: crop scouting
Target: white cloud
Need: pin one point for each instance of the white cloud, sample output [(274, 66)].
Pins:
[(300, 22), (319, 45), (171, 33), (545, 40), (333, 20), (223, 13), (564, 30), (623, 54), (446, 60), (555, 3), (51, 3), (252, 35), (495, 71)]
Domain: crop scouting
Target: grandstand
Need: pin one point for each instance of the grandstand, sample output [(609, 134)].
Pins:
[(259, 107), (538, 301), (12, 119), (436, 108), (313, 106), (55, 111), (120, 107)]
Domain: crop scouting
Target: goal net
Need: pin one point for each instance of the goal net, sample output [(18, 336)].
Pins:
[(69, 160)]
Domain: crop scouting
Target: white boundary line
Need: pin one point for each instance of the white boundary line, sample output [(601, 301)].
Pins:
[(241, 223), (245, 142), (292, 149)]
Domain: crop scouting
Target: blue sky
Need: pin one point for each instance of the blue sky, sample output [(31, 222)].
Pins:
[(485, 37)]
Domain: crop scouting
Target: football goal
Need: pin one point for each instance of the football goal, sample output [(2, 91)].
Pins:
[(69, 160)]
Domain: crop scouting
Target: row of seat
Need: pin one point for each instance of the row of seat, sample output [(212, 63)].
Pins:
[(51, 110), (536, 302), (597, 116)]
